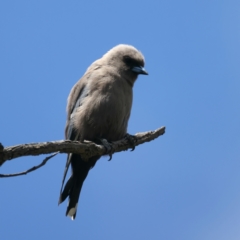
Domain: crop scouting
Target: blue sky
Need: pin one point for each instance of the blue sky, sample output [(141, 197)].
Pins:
[(184, 185)]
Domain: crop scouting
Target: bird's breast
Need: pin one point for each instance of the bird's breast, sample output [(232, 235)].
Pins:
[(110, 112)]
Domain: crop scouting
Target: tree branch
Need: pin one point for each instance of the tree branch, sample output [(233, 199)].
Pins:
[(29, 170), (86, 149)]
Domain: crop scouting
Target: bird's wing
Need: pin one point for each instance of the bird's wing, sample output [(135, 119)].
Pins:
[(70, 132)]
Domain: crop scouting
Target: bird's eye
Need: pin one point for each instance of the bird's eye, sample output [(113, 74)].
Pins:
[(129, 61)]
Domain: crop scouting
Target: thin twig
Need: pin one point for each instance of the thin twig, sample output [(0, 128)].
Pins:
[(29, 170)]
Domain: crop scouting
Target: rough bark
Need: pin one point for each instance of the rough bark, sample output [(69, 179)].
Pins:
[(86, 149)]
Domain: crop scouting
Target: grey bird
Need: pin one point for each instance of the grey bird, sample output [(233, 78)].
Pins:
[(99, 107)]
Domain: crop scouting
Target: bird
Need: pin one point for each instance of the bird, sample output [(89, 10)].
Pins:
[(99, 107)]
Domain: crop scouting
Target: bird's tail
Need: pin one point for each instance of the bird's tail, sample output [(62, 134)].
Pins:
[(72, 189), (75, 186)]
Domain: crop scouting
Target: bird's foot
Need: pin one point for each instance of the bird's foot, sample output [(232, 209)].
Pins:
[(132, 140), (108, 147)]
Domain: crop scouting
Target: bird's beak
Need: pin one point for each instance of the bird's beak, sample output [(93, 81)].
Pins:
[(140, 70)]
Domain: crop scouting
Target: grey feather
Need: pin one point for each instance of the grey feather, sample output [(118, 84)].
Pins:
[(99, 106)]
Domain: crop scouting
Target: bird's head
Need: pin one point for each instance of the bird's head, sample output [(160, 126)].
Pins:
[(127, 60)]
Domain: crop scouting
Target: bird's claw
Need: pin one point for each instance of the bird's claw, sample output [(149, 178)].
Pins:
[(108, 147), (132, 140)]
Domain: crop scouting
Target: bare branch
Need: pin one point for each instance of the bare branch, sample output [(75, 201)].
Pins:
[(86, 149), (29, 170)]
